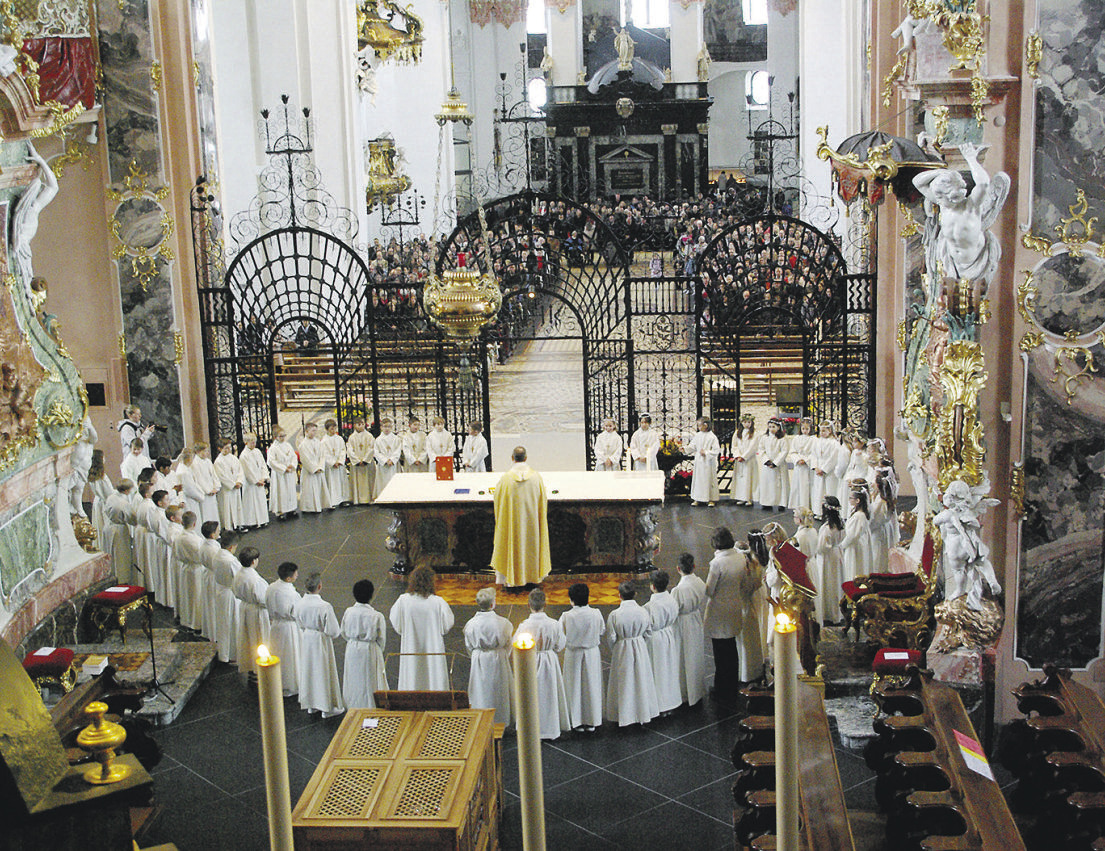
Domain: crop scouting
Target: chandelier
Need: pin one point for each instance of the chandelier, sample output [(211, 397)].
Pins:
[(463, 300), (384, 180), (379, 31)]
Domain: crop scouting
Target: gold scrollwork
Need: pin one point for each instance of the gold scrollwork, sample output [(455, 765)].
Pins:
[(143, 258), (1073, 364), (1033, 54), (1016, 489), (137, 184), (156, 75), (1037, 243), (1031, 340), (178, 348), (58, 414), (940, 124), (1076, 239), (122, 345), (903, 334), (910, 228), (959, 433), (1026, 297), (888, 82), (915, 412)]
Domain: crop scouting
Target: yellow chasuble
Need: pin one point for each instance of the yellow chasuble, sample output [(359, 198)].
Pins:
[(521, 527)]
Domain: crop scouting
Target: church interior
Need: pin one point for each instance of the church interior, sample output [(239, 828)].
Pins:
[(802, 298)]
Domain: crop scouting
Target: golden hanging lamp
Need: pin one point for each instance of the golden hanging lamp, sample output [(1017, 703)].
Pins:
[(462, 301), (454, 110), (387, 40), (384, 180)]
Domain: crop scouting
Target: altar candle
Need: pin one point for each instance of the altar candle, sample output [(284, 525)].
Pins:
[(786, 734), (530, 782), (275, 748)]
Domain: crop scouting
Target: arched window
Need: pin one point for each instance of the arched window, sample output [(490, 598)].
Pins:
[(757, 89), (536, 93), (647, 14), (755, 11), (535, 17)]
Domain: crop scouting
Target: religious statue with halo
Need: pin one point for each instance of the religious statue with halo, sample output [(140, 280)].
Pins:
[(624, 44)]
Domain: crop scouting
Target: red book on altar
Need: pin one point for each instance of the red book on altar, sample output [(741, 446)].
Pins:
[(444, 466)]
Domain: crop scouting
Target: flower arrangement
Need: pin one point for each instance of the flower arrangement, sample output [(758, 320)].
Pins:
[(351, 409), (670, 453)]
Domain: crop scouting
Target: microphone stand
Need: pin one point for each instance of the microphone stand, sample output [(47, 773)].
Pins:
[(155, 685)]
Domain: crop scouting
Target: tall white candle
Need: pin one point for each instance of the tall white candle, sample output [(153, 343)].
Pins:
[(786, 734), (275, 747), (530, 782)]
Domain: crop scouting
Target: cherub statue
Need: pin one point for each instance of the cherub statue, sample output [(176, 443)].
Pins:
[(957, 238), (966, 558), (366, 75), (907, 29), (15, 402), (546, 64), (32, 202), (80, 462), (624, 44)]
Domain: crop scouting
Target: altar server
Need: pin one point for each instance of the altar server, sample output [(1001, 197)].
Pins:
[(388, 452), (487, 637), (439, 443), (319, 687), (705, 449), (663, 643), (314, 492), (283, 464), (422, 618), (690, 595), (253, 618), (117, 537), (280, 600), (334, 454), (187, 553), (167, 533), (155, 568), (548, 640), (365, 632), (856, 543), (255, 475), (474, 451), (415, 458), (140, 531), (207, 589), (644, 446), (204, 477), (631, 688), (800, 456), (743, 447), (583, 628), (227, 567), (771, 456), (361, 449), (729, 588), (101, 487), (135, 461), (824, 481), (231, 476), (609, 448), (830, 561)]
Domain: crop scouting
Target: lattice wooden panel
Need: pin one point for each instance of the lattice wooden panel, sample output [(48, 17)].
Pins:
[(349, 793), (423, 793), (446, 736), (375, 742)]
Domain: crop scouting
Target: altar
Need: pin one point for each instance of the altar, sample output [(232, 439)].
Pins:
[(598, 522)]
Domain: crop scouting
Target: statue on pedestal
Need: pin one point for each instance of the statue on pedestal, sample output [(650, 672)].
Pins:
[(624, 45), (704, 60), (967, 568), (546, 64)]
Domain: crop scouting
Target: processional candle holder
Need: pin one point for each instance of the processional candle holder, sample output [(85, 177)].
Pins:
[(101, 738)]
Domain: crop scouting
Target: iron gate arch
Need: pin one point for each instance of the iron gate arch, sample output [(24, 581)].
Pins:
[(774, 274)]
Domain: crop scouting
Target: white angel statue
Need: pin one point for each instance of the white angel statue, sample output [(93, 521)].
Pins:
[(966, 558), (958, 238)]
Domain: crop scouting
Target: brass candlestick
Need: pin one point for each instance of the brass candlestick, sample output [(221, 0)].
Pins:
[(102, 738)]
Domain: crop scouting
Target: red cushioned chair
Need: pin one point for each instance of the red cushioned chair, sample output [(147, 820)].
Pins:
[(894, 609), (111, 606), (54, 669)]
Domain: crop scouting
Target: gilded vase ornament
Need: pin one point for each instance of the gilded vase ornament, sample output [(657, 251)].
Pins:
[(462, 301)]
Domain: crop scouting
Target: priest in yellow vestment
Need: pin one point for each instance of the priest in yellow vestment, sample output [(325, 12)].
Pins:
[(521, 553)]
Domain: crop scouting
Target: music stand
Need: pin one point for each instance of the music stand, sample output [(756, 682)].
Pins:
[(155, 685)]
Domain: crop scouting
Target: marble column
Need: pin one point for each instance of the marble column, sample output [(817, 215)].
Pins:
[(685, 22), (565, 33)]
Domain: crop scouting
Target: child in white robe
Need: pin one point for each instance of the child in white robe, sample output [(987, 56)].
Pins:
[(117, 538), (334, 453), (155, 567), (253, 617), (856, 543), (690, 595), (771, 455), (319, 687), (284, 638), (203, 475), (255, 475), (744, 462), (830, 562), (439, 443), (583, 628), (388, 452), (609, 448), (207, 589), (631, 687), (228, 470), (705, 449), (365, 632), (800, 456), (487, 637), (226, 604), (100, 484), (140, 533), (663, 643), (283, 464), (361, 449), (415, 457), (548, 640), (187, 560), (422, 618), (823, 481), (474, 452), (644, 446), (314, 492), (135, 462)]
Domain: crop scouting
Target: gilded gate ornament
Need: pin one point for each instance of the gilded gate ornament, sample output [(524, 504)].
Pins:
[(959, 433)]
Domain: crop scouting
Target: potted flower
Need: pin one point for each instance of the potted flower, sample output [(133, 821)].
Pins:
[(670, 454)]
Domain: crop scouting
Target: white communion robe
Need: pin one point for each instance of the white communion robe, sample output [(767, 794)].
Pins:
[(609, 448), (117, 538), (830, 567), (150, 520), (227, 567), (284, 638), (207, 588), (255, 472), (253, 617), (170, 574), (319, 687), (487, 636), (282, 462), (879, 552), (690, 595), (583, 628), (824, 481), (644, 446), (132, 466), (856, 547), (474, 454), (422, 623), (439, 444), (802, 447), (744, 472), (631, 688), (663, 648), (552, 701), (187, 558), (231, 477), (337, 477), (389, 449), (139, 551), (773, 480), (415, 458), (204, 477), (361, 450), (706, 449), (101, 490), (365, 632), (314, 492)]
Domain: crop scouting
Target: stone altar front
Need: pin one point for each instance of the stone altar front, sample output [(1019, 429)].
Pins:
[(597, 521)]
